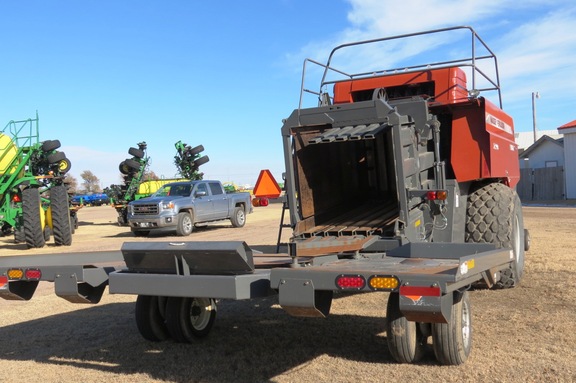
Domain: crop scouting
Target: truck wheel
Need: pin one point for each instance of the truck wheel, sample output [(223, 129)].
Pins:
[(32, 214), (185, 224), (149, 318), (494, 215), (238, 218), (405, 340), (135, 152), (189, 318), (60, 213), (49, 145), (452, 341)]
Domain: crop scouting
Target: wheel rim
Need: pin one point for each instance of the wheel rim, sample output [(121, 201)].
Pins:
[(240, 217), (466, 325), (187, 224), (200, 312), (516, 241)]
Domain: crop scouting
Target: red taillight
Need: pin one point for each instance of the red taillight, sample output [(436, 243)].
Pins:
[(33, 274), (3, 280), (437, 195), (420, 291), (350, 282), (16, 198), (264, 201)]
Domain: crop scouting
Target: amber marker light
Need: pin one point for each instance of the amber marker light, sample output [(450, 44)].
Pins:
[(383, 282), (15, 274)]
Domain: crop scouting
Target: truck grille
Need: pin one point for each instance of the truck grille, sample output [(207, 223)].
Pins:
[(145, 209)]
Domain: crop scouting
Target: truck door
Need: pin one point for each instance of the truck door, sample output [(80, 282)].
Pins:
[(219, 201), (202, 202)]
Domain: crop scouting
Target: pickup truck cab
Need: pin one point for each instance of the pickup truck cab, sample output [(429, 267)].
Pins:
[(180, 205)]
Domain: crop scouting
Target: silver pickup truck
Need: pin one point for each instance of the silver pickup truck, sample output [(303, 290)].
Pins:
[(180, 205)]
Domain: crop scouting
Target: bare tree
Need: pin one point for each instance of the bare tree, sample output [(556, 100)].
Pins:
[(91, 183), (72, 183), (150, 175)]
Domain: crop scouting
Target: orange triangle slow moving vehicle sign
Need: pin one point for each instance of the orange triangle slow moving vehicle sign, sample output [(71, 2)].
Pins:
[(266, 186)]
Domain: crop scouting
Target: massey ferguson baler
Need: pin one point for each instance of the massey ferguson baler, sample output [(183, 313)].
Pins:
[(399, 181)]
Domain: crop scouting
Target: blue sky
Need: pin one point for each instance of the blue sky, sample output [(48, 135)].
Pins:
[(105, 75)]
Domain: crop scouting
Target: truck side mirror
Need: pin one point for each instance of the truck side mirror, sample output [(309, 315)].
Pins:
[(200, 194)]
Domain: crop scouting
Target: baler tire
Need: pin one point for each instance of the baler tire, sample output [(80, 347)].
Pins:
[(406, 342), (48, 146), (185, 224), (494, 215), (32, 219), (188, 319), (56, 157), (135, 152), (452, 341), (238, 218), (61, 226), (149, 319)]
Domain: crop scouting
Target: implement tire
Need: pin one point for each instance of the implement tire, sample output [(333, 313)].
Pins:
[(135, 152), (494, 215), (32, 214), (60, 212)]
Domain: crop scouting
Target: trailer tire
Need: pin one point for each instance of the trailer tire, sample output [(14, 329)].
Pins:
[(185, 224), (190, 318), (49, 145), (452, 341), (60, 212), (32, 214), (494, 215), (135, 152), (238, 217), (406, 342), (149, 318)]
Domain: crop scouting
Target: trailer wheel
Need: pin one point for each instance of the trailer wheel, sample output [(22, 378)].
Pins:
[(185, 224), (238, 218), (452, 341), (135, 152), (33, 218), (405, 340), (60, 213), (149, 318), (190, 318), (494, 215)]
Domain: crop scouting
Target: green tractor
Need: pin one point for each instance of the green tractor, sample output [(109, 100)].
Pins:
[(33, 197)]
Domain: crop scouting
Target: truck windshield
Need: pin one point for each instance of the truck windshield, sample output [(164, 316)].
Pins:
[(173, 190)]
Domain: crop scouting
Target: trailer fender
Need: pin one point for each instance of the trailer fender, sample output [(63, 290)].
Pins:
[(425, 304), (17, 290), (298, 298), (90, 290)]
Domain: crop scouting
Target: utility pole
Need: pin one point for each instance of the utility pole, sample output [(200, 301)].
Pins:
[(535, 95)]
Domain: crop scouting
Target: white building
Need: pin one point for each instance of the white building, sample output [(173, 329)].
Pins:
[(569, 132)]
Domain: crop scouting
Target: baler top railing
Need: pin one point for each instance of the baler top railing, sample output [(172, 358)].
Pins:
[(471, 61)]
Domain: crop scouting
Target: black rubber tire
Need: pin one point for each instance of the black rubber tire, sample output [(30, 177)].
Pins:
[(19, 236), (405, 340), (149, 318), (64, 166), (61, 226), (135, 152), (189, 318), (32, 222), (49, 145), (196, 150), (47, 234), (132, 164), (238, 218), (452, 342), (185, 224), (494, 215), (124, 169), (56, 157), (201, 161)]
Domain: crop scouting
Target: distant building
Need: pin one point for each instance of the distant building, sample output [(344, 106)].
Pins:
[(569, 132)]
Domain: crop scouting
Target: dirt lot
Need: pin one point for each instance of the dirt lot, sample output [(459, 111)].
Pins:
[(524, 334)]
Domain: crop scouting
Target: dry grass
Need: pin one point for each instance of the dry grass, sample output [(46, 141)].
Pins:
[(520, 335)]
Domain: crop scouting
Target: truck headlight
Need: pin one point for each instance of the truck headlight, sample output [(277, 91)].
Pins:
[(167, 205)]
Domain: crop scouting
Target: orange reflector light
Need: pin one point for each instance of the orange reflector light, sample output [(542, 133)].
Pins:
[(437, 195), (350, 282), (383, 282), (33, 274), (15, 274), (421, 291)]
